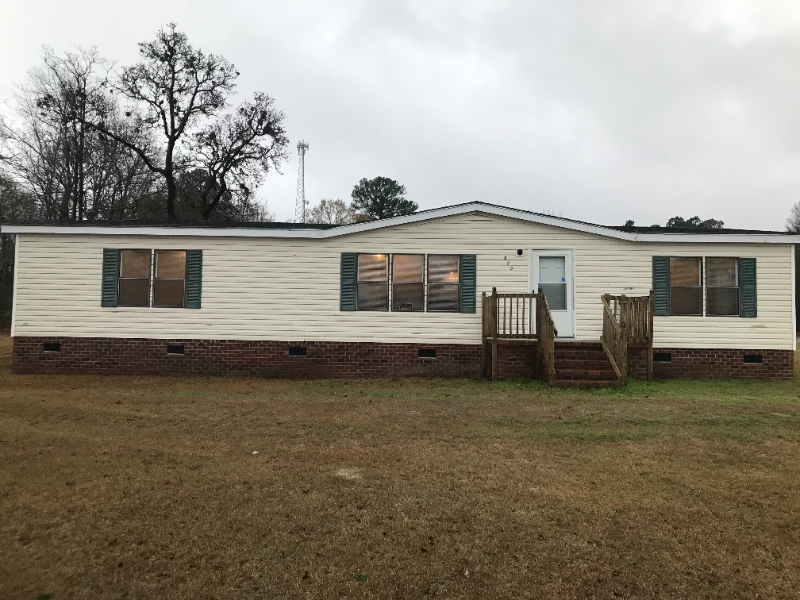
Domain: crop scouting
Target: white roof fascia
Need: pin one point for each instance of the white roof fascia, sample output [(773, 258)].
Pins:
[(164, 231), (448, 211)]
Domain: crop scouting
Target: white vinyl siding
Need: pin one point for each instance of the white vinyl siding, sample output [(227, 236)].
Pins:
[(288, 288)]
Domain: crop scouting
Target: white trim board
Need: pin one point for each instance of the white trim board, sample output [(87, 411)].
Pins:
[(14, 288), (437, 213)]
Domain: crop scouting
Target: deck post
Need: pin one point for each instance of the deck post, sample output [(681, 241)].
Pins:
[(484, 333), (539, 371), (650, 310), (495, 315)]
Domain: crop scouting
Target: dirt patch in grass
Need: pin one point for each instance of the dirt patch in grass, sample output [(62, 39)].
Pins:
[(134, 487)]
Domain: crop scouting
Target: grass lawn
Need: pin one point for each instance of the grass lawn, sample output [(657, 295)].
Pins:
[(150, 487)]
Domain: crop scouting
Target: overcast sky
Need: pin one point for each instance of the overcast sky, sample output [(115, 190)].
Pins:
[(598, 110)]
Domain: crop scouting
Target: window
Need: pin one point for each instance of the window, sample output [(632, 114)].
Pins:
[(407, 285), (170, 280), (373, 282), (404, 282), (144, 278), (713, 286), (134, 278), (722, 283), (686, 286), (552, 280), (443, 282)]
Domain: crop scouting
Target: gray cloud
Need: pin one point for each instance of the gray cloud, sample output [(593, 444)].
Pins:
[(598, 110)]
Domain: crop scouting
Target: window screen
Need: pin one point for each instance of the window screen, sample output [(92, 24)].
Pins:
[(170, 280), (407, 285), (134, 278), (552, 280), (686, 291), (373, 282), (722, 283), (443, 282)]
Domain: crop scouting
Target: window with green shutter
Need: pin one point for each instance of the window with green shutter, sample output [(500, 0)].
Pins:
[(748, 301), (347, 294), (152, 278), (194, 278), (369, 281), (661, 286), (712, 286), (108, 295), (468, 280)]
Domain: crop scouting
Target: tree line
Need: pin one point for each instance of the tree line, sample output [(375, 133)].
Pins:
[(377, 198), (157, 140)]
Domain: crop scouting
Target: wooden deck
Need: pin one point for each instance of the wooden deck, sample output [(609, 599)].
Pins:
[(516, 319)]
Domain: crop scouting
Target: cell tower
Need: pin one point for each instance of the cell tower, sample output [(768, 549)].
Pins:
[(301, 203)]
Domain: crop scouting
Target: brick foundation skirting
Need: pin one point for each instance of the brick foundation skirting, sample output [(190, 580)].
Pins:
[(126, 356), (671, 363), (515, 360)]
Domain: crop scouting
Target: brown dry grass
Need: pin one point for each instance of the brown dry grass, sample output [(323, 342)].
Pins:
[(136, 487)]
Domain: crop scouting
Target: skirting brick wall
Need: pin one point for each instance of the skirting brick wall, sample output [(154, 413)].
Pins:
[(709, 363), (515, 360), (115, 356), (118, 356)]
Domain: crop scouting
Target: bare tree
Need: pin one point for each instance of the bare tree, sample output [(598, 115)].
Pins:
[(335, 212), (84, 157), (15, 205), (239, 149), (170, 90), (72, 172), (46, 145)]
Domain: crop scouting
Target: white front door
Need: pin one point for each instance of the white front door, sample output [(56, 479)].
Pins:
[(551, 270)]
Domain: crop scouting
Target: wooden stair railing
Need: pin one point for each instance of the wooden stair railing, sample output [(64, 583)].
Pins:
[(518, 317), (615, 342), (627, 319), (546, 333)]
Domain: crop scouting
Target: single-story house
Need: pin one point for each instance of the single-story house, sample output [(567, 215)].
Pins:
[(409, 295)]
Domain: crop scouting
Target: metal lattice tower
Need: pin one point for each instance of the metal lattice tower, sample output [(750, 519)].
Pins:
[(301, 203)]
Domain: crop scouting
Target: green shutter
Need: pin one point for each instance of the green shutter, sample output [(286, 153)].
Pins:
[(747, 288), (110, 276), (661, 286), (347, 297), (194, 278), (467, 277)]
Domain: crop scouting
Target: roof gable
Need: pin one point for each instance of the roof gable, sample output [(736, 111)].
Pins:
[(298, 230)]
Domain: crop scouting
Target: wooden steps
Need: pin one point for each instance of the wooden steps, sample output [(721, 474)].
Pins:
[(583, 364)]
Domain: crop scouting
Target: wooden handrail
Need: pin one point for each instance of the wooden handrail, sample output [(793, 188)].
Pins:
[(614, 340), (635, 312), (627, 319), (518, 317), (547, 332)]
